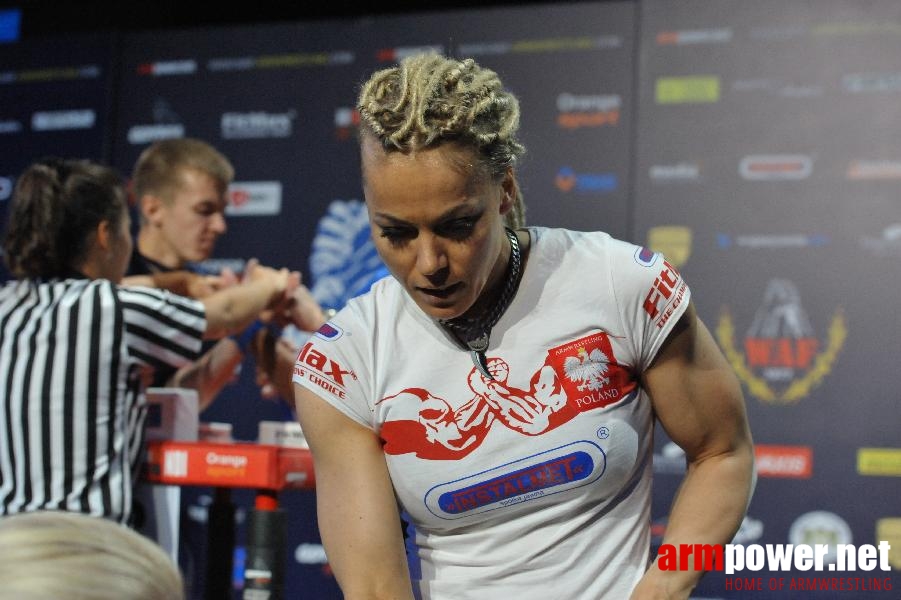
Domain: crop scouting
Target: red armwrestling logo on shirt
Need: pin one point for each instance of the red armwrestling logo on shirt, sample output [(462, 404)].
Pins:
[(576, 377), (316, 367), (589, 373)]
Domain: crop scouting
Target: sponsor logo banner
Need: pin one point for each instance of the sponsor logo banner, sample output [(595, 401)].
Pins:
[(254, 198), (568, 180), (775, 167), (820, 527), (795, 462), (871, 83), (347, 119), (51, 74), (165, 68), (879, 461), (771, 241), (257, 124), (889, 529), (291, 60), (673, 241), (398, 53), (10, 126), (588, 110), (52, 120), (684, 37), (546, 45), (675, 173), (146, 134), (873, 169), (697, 89)]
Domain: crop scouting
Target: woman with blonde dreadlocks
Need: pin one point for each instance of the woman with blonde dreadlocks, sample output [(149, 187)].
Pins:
[(501, 388)]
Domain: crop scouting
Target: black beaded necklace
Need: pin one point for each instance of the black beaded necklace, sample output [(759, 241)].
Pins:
[(475, 332)]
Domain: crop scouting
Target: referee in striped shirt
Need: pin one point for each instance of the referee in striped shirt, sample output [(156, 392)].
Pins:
[(77, 349)]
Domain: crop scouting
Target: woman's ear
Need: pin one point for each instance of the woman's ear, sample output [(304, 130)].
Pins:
[(508, 191), (104, 235)]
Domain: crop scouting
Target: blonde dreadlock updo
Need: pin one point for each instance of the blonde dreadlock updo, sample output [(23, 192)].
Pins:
[(429, 99)]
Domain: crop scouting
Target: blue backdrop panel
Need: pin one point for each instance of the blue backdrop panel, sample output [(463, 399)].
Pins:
[(55, 99)]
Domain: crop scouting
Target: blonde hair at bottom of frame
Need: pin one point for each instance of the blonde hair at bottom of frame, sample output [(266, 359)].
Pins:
[(55, 555)]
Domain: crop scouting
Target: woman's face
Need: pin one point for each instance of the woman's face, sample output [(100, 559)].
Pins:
[(437, 223)]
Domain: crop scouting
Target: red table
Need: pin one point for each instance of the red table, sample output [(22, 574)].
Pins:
[(267, 469)]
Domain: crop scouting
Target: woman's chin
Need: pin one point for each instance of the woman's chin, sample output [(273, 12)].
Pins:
[(439, 308)]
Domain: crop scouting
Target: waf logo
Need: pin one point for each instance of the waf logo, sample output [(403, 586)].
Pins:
[(783, 358)]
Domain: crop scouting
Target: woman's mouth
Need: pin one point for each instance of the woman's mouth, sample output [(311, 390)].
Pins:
[(441, 293)]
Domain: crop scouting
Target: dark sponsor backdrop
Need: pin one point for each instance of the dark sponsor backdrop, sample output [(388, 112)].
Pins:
[(278, 100), (55, 99), (768, 168), (753, 142), (570, 66), (265, 96)]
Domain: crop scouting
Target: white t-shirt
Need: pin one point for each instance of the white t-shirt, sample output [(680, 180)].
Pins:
[(536, 484)]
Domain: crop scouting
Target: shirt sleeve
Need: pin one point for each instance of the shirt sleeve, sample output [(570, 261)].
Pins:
[(163, 330), (651, 296), (332, 364)]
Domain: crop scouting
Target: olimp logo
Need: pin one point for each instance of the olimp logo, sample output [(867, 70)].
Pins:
[(783, 358)]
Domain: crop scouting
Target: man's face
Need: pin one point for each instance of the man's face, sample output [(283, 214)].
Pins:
[(190, 221)]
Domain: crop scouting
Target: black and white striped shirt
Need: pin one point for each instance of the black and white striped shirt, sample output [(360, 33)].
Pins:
[(75, 357)]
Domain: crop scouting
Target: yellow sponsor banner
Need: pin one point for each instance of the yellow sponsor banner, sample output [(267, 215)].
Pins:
[(674, 241), (687, 90), (889, 529), (879, 461)]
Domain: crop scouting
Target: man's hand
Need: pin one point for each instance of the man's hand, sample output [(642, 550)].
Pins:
[(274, 359)]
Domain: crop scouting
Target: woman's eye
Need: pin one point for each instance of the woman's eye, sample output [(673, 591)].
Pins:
[(459, 228), (396, 235)]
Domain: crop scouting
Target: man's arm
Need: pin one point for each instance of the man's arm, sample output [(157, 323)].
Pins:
[(699, 402), (211, 372), (183, 282), (262, 289)]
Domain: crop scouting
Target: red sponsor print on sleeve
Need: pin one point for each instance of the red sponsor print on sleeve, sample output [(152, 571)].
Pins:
[(589, 373), (666, 294), (324, 372)]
